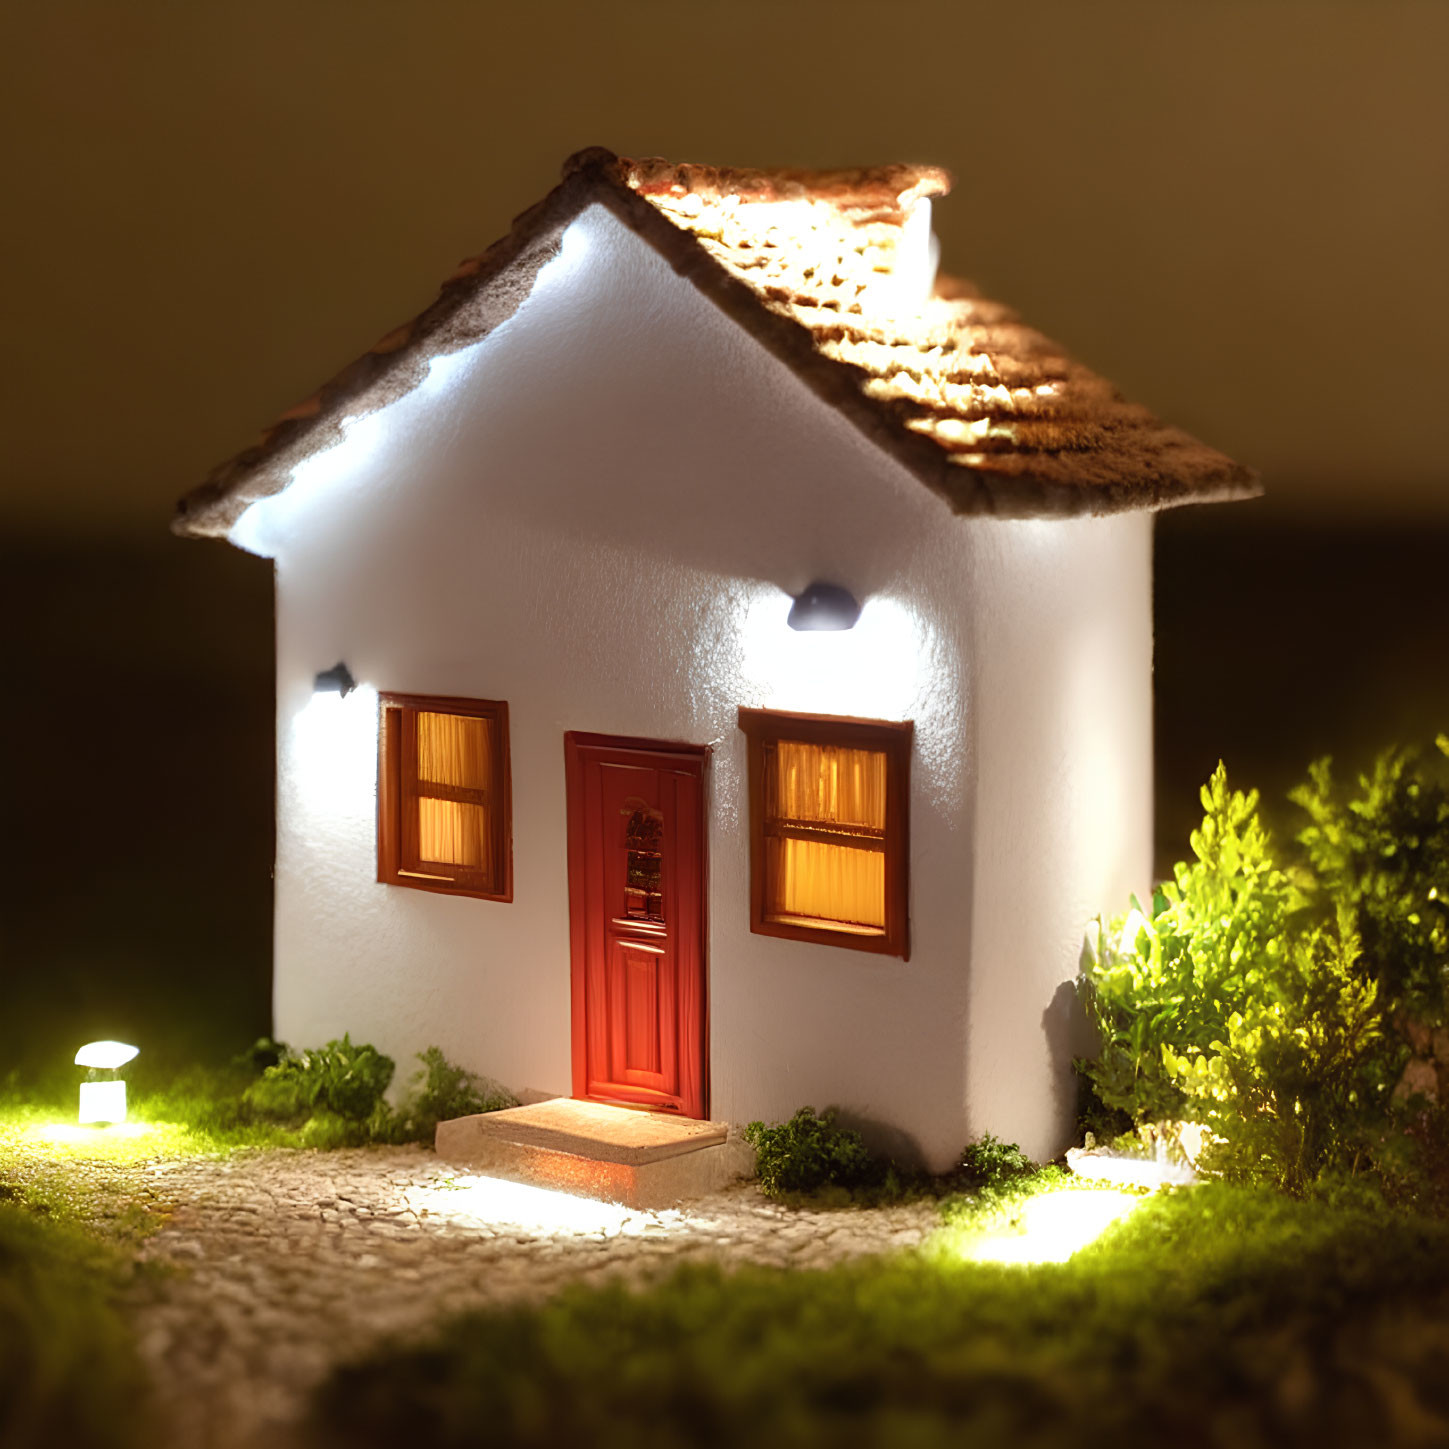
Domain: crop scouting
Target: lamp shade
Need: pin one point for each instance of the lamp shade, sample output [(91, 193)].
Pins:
[(824, 606), (105, 1056)]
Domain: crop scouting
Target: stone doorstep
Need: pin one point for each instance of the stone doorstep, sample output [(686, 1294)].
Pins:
[(639, 1159)]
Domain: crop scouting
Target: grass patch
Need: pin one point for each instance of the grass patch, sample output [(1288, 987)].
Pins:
[(324, 1099), (88, 1175), (184, 1121), (1213, 1317), (73, 1204), (68, 1373), (69, 1219)]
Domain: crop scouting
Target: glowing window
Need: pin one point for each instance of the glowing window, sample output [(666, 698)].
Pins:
[(828, 829), (443, 796)]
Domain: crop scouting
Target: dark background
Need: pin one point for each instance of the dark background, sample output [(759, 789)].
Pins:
[(1237, 211)]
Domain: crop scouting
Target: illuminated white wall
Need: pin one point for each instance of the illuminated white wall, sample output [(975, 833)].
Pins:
[(1062, 798), (597, 515)]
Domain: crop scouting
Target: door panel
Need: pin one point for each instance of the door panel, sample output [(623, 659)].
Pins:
[(637, 922), (641, 1052)]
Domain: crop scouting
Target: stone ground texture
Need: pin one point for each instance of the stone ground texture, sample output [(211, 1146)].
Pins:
[(271, 1266)]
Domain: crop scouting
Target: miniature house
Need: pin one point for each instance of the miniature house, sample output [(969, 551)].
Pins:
[(747, 647)]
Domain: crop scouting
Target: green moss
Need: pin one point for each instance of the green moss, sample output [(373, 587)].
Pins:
[(1220, 1316), (68, 1373)]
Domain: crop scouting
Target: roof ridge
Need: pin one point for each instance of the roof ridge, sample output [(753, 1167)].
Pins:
[(875, 192), (850, 371)]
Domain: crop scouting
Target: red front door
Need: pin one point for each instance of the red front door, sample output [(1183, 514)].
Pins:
[(637, 922)]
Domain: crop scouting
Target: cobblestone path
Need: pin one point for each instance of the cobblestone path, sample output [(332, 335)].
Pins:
[(277, 1265)]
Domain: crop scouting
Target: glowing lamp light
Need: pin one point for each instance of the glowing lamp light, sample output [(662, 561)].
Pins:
[(337, 680), (824, 606), (102, 1102), (106, 1056), (473, 1201), (103, 1098), (1055, 1226), (886, 667), (1103, 1165)]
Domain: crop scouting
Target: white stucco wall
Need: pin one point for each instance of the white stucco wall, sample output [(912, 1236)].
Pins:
[(597, 515), (1062, 809)]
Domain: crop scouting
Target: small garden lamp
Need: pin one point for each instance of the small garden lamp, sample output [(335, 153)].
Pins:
[(103, 1093), (338, 680), (824, 606)]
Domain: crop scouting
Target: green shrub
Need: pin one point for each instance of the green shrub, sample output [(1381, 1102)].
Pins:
[(809, 1153), (990, 1184), (1171, 979), (341, 1079), (1381, 850), (1290, 1091), (334, 1095), (326, 1131), (441, 1090), (1267, 993), (991, 1165)]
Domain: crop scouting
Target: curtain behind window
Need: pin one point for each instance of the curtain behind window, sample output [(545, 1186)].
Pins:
[(455, 752), (826, 787)]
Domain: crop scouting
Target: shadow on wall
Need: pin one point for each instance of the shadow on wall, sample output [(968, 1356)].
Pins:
[(1068, 1036), (885, 1140)]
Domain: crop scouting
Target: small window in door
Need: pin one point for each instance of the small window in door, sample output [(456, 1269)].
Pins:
[(643, 870), (444, 821)]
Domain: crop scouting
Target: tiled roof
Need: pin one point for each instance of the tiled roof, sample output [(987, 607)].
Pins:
[(828, 270)]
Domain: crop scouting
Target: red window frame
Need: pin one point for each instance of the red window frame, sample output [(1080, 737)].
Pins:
[(762, 729), (398, 861)]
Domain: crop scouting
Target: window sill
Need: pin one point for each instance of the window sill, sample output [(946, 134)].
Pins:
[(815, 923)]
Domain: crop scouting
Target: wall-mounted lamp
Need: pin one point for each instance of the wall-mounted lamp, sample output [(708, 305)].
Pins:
[(337, 680), (103, 1093), (824, 606)]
